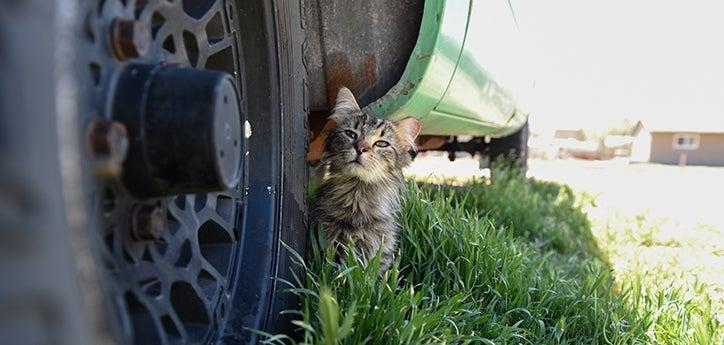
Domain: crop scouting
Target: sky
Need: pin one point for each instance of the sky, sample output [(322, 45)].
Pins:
[(595, 63)]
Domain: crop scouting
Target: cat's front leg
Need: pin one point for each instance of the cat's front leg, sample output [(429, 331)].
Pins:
[(387, 253)]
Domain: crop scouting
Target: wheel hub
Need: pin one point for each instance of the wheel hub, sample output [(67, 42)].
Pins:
[(163, 114), (184, 127)]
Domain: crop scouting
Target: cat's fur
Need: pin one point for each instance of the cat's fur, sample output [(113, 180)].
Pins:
[(358, 200)]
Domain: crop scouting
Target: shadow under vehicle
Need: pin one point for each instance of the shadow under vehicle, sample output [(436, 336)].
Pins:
[(153, 173)]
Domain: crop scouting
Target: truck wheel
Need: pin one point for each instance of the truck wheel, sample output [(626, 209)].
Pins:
[(513, 148), (195, 126)]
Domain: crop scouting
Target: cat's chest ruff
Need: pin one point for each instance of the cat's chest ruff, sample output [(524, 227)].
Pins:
[(361, 204)]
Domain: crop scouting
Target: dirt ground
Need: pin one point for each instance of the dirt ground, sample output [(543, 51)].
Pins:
[(690, 195), (662, 223)]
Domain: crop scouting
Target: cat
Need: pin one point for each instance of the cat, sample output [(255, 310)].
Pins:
[(358, 200)]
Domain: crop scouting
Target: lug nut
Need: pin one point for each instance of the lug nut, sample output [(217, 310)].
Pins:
[(108, 146), (148, 222), (129, 38)]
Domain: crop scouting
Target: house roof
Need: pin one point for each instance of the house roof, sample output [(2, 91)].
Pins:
[(685, 125)]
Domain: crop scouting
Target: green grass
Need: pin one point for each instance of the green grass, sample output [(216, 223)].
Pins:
[(508, 261)]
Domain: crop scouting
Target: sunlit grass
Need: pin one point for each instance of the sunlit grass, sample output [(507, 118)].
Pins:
[(511, 260)]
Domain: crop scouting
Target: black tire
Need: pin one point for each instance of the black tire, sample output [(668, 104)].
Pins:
[(513, 148), (270, 201), (283, 98), (44, 251), (44, 199)]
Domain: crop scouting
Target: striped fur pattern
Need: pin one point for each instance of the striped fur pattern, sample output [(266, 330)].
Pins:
[(358, 200)]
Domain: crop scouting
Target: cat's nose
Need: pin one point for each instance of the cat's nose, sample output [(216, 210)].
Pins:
[(362, 147)]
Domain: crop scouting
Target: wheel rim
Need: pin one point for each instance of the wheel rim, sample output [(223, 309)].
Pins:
[(168, 262)]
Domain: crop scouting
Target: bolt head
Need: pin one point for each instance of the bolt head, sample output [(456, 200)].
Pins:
[(148, 222), (130, 38), (108, 146)]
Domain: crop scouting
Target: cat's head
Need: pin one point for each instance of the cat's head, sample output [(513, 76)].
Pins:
[(356, 143)]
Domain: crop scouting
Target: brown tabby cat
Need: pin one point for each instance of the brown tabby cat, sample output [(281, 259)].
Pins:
[(358, 200)]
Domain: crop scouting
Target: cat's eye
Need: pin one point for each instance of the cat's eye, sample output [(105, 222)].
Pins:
[(381, 143), (351, 134)]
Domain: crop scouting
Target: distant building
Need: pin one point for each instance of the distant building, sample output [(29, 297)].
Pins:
[(577, 134), (682, 146), (618, 145)]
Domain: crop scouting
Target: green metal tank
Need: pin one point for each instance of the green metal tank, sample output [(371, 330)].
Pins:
[(463, 73)]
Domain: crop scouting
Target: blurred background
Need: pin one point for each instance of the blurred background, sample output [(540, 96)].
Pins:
[(627, 106)]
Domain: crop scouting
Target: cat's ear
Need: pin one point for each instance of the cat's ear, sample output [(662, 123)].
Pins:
[(345, 102), (317, 146), (408, 129)]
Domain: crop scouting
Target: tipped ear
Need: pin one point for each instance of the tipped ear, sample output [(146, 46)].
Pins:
[(345, 101), (408, 129), (316, 147)]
